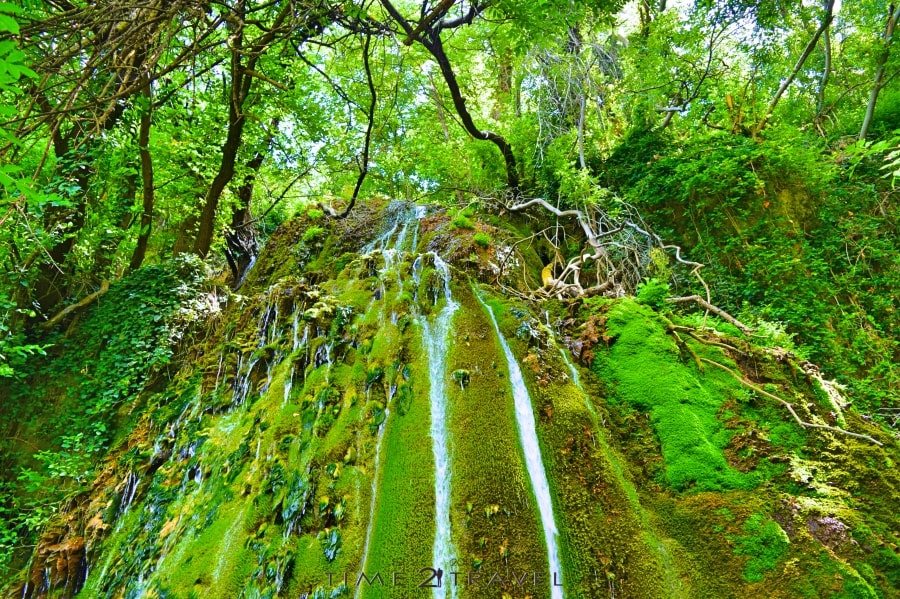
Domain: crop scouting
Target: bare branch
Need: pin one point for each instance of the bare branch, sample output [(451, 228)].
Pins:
[(711, 308), (790, 408)]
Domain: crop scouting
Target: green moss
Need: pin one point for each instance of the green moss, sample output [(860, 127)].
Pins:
[(482, 239), (764, 543), (487, 461), (462, 219), (606, 539), (645, 370)]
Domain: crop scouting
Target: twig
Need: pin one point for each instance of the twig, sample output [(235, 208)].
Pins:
[(715, 310), (790, 407)]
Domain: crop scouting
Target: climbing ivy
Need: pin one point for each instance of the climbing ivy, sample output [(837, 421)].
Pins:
[(125, 339)]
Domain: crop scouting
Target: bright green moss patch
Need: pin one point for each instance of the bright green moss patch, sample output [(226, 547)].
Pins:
[(482, 239), (764, 543), (645, 371)]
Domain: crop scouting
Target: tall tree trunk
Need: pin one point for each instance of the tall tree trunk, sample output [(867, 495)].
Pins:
[(121, 212), (50, 288), (440, 108), (140, 250), (240, 88), (581, 160), (879, 71), (826, 75), (826, 21), (428, 33), (241, 245), (187, 233), (242, 77), (645, 15)]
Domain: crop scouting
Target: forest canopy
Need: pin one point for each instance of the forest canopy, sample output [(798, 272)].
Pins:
[(758, 136)]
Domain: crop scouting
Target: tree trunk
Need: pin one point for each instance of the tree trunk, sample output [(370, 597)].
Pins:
[(826, 75), (879, 72), (240, 88), (140, 250), (242, 77), (826, 21), (241, 245), (436, 48)]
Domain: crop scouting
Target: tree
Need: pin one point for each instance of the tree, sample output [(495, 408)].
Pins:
[(878, 83)]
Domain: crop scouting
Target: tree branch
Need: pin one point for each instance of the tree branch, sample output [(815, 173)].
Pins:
[(364, 163), (790, 408), (714, 309), (826, 21), (84, 303)]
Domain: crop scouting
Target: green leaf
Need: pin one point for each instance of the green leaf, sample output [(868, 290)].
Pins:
[(8, 24)]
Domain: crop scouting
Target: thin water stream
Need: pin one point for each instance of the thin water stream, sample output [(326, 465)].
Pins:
[(435, 337), (533, 462)]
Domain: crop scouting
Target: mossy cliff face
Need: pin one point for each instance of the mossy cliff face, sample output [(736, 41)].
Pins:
[(288, 448)]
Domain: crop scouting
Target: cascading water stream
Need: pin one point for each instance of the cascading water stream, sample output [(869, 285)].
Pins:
[(576, 380), (391, 256), (532, 451), (370, 528), (436, 347)]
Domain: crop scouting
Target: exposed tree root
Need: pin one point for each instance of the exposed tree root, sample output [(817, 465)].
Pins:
[(790, 407), (617, 245)]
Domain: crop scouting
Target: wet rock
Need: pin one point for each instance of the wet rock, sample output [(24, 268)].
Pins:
[(829, 531)]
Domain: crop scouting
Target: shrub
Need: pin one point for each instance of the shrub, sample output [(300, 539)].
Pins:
[(312, 234), (653, 292)]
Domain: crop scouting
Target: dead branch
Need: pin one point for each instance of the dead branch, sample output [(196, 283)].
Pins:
[(84, 303), (711, 308), (684, 346), (790, 408), (690, 332)]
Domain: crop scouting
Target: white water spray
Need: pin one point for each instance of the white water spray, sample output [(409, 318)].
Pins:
[(533, 462), (435, 339)]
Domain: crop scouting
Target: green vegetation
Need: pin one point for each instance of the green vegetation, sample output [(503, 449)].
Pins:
[(463, 219), (482, 239), (764, 543), (653, 293), (222, 225), (645, 372)]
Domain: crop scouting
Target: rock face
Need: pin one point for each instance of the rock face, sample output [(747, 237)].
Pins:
[(351, 425)]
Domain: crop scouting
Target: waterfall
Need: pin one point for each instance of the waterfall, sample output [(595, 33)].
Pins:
[(576, 380), (532, 451), (372, 501), (436, 347), (400, 216), (419, 213)]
